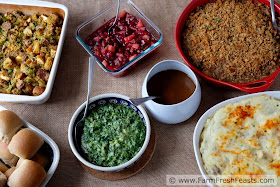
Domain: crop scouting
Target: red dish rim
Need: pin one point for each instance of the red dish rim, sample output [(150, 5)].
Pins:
[(249, 87)]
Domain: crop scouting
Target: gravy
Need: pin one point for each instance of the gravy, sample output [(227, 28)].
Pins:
[(173, 86)]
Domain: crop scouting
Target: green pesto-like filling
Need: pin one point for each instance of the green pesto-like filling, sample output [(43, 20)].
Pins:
[(113, 134)]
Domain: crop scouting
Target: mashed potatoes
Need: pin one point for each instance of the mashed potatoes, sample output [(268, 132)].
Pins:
[(243, 138)]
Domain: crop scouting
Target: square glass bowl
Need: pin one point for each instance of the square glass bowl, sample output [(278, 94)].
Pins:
[(96, 21)]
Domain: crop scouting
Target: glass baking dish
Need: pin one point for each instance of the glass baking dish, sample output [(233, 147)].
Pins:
[(96, 21)]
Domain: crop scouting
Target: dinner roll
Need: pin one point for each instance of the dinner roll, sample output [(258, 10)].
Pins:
[(19, 162), (28, 174), (3, 167), (3, 180), (25, 143), (9, 172), (9, 125), (6, 156)]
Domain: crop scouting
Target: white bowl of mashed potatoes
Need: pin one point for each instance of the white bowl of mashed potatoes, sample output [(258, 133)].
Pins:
[(240, 136)]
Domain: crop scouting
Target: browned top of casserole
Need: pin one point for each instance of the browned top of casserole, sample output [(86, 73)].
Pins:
[(232, 40)]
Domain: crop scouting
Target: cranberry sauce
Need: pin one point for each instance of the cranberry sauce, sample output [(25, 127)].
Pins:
[(127, 39)]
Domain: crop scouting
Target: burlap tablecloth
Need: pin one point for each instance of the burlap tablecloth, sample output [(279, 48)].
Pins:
[(174, 152)]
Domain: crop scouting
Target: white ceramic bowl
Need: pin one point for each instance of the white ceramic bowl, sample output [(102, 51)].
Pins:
[(51, 143), (28, 7), (209, 113), (102, 99), (176, 113)]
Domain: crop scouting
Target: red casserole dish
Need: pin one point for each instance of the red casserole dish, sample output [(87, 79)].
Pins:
[(249, 87)]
